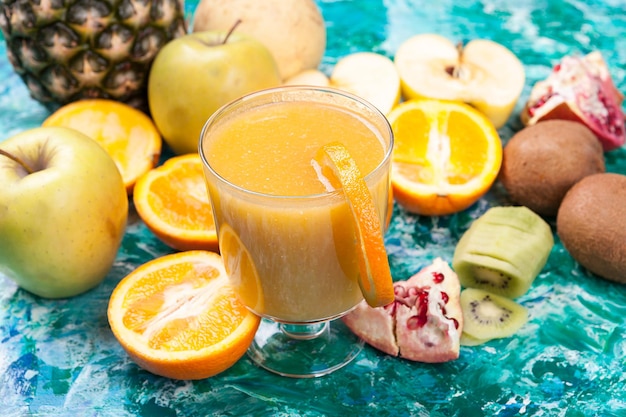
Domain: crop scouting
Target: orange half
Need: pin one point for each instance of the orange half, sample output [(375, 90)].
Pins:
[(446, 155), (375, 278), (128, 135), (177, 316), (173, 202)]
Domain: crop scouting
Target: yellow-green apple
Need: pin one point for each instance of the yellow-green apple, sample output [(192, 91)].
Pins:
[(194, 75), (293, 30), (63, 211), (482, 73), (369, 75)]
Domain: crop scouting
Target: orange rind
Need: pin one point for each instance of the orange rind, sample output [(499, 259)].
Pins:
[(375, 278), (128, 135), (173, 202), (446, 156)]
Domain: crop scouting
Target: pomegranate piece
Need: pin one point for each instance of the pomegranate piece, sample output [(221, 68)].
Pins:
[(580, 89), (423, 324)]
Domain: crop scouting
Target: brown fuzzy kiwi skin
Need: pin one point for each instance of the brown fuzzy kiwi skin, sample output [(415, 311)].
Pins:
[(540, 163), (591, 224)]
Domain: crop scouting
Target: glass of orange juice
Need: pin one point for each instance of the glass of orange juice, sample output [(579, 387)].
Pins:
[(286, 236)]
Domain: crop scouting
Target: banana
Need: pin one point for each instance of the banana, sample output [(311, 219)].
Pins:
[(503, 251)]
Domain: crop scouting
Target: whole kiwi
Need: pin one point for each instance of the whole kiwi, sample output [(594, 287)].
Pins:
[(541, 162), (591, 223)]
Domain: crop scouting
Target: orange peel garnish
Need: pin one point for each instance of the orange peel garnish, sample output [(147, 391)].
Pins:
[(375, 278)]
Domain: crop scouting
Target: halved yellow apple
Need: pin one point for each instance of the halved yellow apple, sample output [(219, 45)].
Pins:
[(482, 73), (370, 76)]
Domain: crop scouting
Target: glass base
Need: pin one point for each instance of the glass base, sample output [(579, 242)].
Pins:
[(304, 350)]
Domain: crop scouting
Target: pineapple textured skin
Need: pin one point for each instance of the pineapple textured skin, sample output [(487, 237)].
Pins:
[(67, 50)]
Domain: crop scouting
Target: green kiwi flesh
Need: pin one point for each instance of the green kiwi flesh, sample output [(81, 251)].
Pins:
[(467, 340), (503, 251), (489, 316)]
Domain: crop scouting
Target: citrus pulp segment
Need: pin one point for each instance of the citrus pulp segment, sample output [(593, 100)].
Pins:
[(446, 155), (128, 135), (375, 276), (173, 202), (177, 316)]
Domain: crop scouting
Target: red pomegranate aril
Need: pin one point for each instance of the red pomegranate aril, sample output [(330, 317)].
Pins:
[(438, 277), (444, 297), (580, 89), (399, 290), (424, 322)]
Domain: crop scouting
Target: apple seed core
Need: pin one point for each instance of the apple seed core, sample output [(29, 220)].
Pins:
[(455, 70)]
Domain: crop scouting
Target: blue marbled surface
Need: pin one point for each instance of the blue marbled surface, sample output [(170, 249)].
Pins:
[(59, 358)]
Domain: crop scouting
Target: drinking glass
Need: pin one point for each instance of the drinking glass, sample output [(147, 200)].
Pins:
[(286, 236)]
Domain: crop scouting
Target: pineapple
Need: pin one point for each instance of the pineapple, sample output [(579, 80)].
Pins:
[(66, 50)]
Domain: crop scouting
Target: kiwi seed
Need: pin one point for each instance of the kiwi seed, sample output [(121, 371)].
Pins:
[(489, 316)]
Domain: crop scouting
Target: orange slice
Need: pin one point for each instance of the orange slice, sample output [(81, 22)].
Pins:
[(128, 135), (446, 156), (172, 201), (178, 317), (374, 274)]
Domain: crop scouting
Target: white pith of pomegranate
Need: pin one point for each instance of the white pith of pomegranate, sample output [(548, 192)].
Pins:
[(580, 89), (423, 324)]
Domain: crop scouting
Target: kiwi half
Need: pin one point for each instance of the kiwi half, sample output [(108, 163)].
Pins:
[(489, 316), (503, 251), (467, 340)]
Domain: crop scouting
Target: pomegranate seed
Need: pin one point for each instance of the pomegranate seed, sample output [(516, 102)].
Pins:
[(438, 277), (413, 323), (444, 297), (399, 290), (423, 310)]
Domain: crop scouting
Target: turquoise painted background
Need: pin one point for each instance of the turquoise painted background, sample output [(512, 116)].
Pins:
[(59, 358)]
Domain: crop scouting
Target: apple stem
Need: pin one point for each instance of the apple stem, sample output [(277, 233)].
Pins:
[(230, 32), (18, 160), (456, 71)]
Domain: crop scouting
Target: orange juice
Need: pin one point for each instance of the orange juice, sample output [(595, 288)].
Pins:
[(286, 236)]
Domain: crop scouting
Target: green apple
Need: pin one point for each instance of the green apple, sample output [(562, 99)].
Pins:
[(194, 75), (63, 211)]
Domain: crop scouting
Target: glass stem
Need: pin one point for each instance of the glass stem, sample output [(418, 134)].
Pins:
[(304, 331)]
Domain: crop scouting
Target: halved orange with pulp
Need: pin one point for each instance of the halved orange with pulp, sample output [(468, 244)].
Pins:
[(178, 317), (446, 155), (173, 202), (128, 135)]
